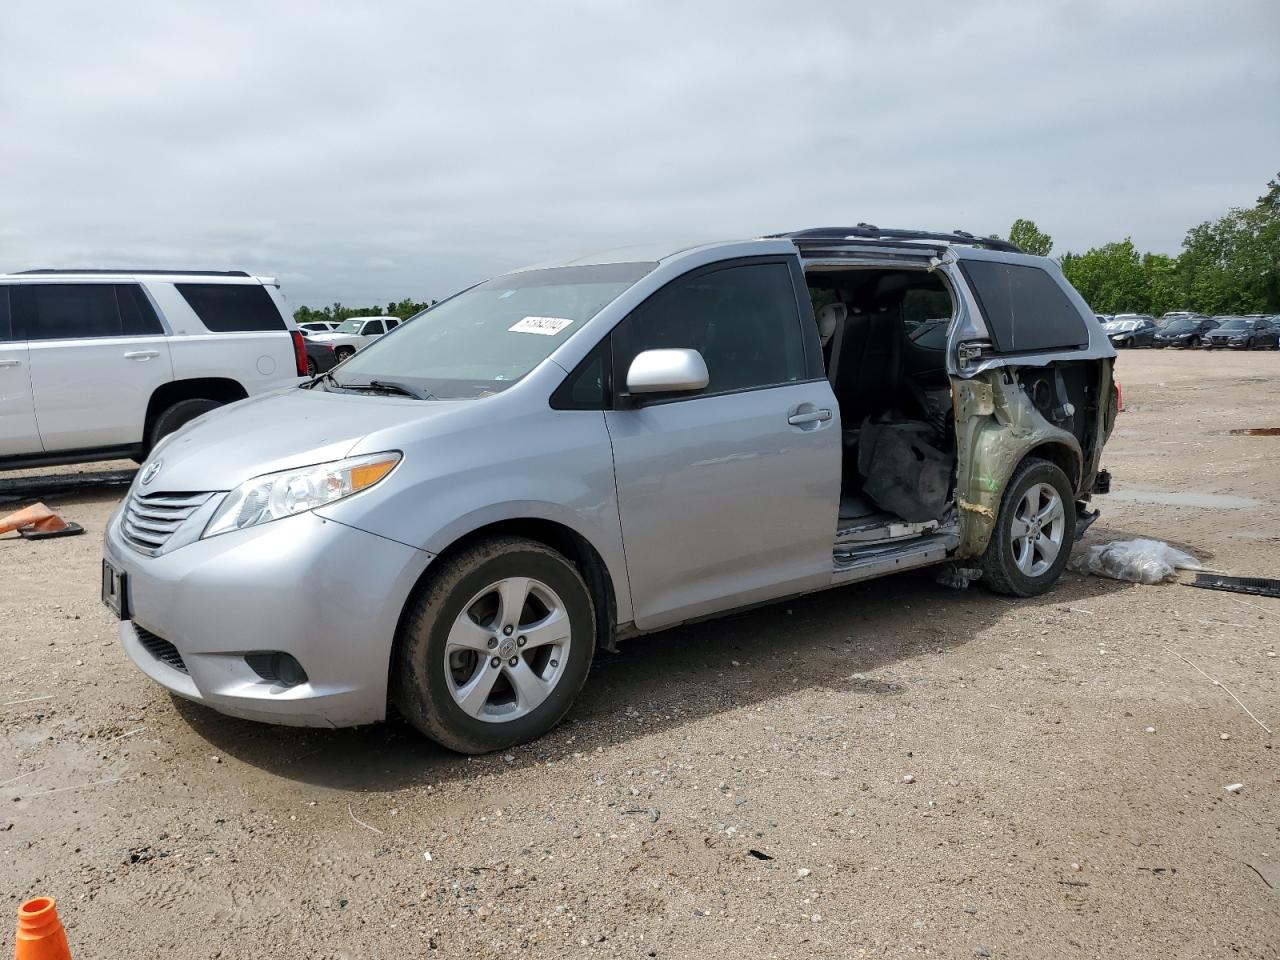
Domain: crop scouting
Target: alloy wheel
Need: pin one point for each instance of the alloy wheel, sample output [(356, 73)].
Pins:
[(507, 649), (1038, 529)]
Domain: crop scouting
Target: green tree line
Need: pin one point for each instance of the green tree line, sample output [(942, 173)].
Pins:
[(336, 313), (1229, 265)]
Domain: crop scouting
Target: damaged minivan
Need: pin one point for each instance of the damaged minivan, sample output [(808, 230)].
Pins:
[(454, 520)]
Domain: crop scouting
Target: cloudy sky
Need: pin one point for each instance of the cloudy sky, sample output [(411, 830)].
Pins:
[(366, 152)]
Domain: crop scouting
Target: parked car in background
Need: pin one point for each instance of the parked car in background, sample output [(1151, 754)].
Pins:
[(102, 364), (352, 334), (1173, 315), (1243, 333), (1131, 330), (566, 455), (318, 326), (1186, 331), (321, 357)]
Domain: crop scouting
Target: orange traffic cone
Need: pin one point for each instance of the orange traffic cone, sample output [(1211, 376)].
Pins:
[(38, 521), (40, 934)]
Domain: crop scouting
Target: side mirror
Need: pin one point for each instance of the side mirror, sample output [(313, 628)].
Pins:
[(667, 371)]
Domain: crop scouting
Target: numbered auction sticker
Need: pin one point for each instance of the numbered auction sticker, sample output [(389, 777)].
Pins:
[(547, 326)]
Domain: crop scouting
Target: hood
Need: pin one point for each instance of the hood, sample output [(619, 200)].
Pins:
[(275, 431), (331, 337)]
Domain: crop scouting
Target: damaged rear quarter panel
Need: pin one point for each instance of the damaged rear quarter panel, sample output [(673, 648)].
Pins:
[(996, 427)]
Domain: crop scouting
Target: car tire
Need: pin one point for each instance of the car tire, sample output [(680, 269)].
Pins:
[(178, 415), (1193, 343), (1017, 562), (311, 367), (341, 353), (456, 627)]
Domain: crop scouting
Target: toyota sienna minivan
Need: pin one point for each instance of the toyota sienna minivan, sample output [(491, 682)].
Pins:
[(452, 521)]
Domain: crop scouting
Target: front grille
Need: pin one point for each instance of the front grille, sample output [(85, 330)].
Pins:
[(151, 518), (161, 649)]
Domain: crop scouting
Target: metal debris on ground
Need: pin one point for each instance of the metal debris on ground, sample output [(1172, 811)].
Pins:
[(1254, 586), (1138, 561)]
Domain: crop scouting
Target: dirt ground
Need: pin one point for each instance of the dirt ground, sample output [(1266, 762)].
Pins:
[(888, 769)]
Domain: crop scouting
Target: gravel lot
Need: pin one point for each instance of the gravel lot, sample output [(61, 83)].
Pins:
[(885, 770)]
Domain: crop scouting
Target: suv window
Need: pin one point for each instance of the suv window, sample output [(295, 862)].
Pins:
[(137, 316), (69, 311), (372, 328), (6, 326), (744, 320), (1025, 308), (232, 307)]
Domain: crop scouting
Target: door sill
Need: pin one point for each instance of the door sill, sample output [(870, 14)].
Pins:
[(852, 562)]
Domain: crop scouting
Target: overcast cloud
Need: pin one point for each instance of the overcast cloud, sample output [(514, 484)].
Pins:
[(375, 151)]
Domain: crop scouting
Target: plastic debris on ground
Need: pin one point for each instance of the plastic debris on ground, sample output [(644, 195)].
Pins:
[(1139, 561)]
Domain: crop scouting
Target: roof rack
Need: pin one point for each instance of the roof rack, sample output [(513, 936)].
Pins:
[(867, 231), (163, 273)]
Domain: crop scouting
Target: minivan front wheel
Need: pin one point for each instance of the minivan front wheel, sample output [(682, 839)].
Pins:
[(1034, 531), (495, 647)]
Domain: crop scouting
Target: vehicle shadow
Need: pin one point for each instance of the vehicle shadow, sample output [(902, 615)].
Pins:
[(87, 486), (858, 641)]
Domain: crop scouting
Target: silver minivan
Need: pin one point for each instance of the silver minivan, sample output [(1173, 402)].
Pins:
[(452, 521)]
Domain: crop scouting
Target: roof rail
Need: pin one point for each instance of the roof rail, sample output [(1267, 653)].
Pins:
[(867, 231), (48, 271)]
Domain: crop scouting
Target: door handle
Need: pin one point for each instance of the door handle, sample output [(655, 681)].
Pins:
[(811, 416), (9, 362), (142, 354)]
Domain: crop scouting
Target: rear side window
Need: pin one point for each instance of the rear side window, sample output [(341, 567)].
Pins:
[(6, 325), (69, 311), (137, 316), (232, 307), (1025, 308), (744, 320)]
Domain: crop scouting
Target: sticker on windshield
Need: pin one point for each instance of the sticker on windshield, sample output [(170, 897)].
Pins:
[(547, 326)]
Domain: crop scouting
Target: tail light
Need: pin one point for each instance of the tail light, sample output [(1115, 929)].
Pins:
[(1119, 398), (299, 353)]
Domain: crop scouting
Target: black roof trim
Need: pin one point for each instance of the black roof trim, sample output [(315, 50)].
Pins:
[(49, 271), (867, 231)]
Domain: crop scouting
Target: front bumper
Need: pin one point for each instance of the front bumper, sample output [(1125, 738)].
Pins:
[(328, 594), (1229, 344)]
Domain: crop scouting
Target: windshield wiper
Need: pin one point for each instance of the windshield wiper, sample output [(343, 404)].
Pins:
[(387, 386)]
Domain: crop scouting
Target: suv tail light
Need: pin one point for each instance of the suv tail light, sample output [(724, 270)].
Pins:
[(299, 353)]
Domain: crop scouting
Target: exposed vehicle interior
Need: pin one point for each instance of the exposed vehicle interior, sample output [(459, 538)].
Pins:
[(884, 335)]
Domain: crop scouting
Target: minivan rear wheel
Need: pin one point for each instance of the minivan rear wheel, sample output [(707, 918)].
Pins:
[(495, 646), (1034, 531)]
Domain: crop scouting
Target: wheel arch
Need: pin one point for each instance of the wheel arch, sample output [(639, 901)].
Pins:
[(551, 533), (1067, 458), (221, 389)]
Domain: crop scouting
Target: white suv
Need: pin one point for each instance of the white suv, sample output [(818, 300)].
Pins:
[(98, 364)]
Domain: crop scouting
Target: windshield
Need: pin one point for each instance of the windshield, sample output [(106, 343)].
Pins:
[(349, 326), (1236, 323), (486, 338), (1180, 326)]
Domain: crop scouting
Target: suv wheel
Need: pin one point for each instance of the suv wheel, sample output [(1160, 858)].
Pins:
[(495, 647), (178, 415), (1033, 533), (341, 353), (311, 367)]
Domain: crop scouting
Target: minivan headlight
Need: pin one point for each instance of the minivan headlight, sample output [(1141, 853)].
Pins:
[(276, 495)]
